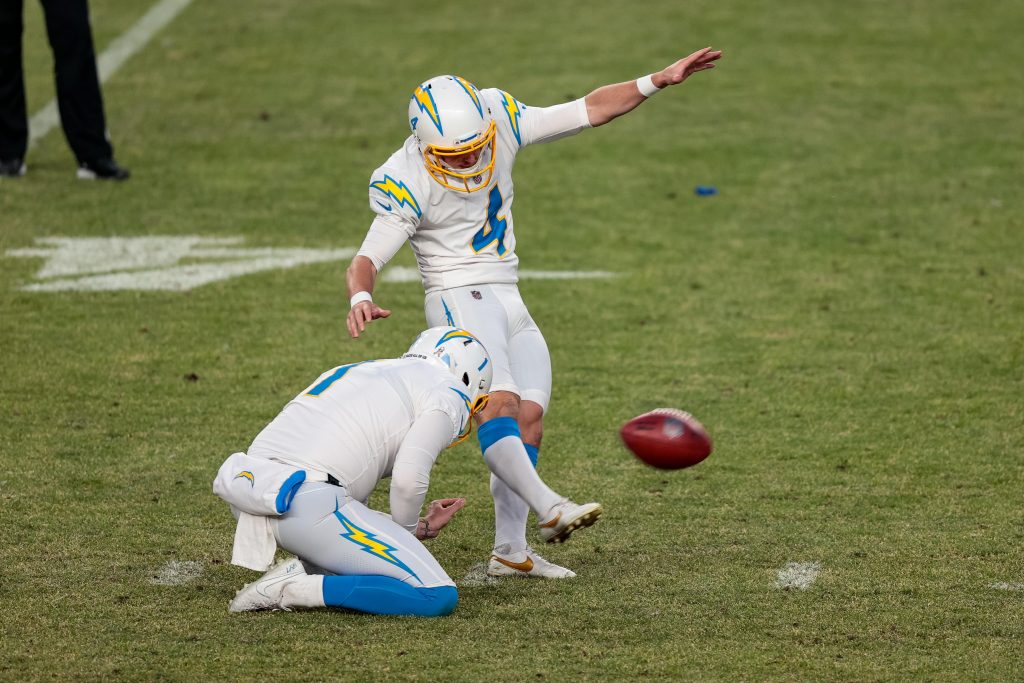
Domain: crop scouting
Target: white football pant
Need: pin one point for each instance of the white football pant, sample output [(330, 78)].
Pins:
[(343, 536)]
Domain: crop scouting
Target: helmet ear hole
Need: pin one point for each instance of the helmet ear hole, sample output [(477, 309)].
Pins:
[(465, 378)]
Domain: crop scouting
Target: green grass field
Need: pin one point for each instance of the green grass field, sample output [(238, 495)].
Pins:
[(846, 316)]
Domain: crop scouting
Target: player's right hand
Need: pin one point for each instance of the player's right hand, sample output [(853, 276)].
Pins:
[(440, 512), (700, 60), (362, 313)]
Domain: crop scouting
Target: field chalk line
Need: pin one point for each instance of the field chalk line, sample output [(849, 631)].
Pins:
[(477, 576), (177, 573), (116, 54), (798, 575), (1005, 586)]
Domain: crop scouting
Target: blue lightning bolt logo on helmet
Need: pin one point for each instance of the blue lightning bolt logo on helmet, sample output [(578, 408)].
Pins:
[(455, 334), (458, 150), (462, 354), (424, 101), (472, 92)]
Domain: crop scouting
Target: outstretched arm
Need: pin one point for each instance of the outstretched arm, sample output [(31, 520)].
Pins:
[(361, 276), (611, 101)]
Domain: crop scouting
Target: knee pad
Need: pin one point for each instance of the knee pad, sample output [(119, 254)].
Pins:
[(441, 601)]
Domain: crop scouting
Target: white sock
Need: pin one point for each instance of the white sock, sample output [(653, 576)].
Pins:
[(303, 591), (510, 513), (507, 459)]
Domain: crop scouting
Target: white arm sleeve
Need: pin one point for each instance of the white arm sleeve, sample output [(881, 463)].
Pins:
[(430, 434), (546, 124), (385, 237)]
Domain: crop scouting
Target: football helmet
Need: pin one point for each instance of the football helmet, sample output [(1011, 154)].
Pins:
[(463, 355), (450, 120)]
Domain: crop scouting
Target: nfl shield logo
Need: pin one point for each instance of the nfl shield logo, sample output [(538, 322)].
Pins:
[(476, 295)]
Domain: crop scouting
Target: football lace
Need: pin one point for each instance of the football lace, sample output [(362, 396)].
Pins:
[(672, 412)]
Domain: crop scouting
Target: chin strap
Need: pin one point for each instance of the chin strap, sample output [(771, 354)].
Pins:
[(464, 435), (481, 403)]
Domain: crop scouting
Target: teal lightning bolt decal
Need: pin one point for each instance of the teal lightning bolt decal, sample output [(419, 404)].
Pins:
[(454, 334), (469, 407), (398, 191), (514, 111), (471, 91), (425, 100), (368, 542)]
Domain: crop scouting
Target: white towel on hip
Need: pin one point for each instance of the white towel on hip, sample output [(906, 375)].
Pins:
[(257, 485), (254, 545), (256, 488)]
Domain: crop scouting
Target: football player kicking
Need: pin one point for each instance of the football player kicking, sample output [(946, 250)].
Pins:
[(318, 460), (448, 191)]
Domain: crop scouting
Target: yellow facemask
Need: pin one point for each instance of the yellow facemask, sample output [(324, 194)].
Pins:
[(459, 179)]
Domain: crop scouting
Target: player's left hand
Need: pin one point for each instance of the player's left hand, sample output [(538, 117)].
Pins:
[(686, 67), (439, 513)]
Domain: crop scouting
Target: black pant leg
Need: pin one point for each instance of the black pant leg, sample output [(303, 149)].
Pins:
[(78, 83), (13, 112)]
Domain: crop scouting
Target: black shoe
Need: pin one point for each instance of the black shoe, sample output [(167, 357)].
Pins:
[(103, 169), (12, 168)]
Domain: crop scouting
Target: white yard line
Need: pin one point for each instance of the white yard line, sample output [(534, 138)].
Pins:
[(410, 274), (116, 54), (1004, 586), (798, 575), (182, 262)]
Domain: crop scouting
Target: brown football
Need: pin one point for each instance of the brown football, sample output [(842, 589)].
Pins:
[(666, 438)]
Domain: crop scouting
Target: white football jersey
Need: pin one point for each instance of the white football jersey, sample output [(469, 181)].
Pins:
[(352, 420), (461, 238)]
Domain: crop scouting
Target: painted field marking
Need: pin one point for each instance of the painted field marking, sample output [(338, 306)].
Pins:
[(1004, 586), (155, 263), (798, 575), (407, 274), (180, 263), (177, 573), (477, 576), (116, 54)]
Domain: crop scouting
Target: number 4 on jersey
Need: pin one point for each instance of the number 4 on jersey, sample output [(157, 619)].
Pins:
[(494, 228)]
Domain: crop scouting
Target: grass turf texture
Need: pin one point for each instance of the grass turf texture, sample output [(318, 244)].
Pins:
[(845, 316)]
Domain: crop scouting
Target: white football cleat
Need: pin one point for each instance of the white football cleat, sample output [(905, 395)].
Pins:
[(567, 517), (265, 592), (526, 563)]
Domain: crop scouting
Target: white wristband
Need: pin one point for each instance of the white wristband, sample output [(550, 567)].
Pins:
[(646, 85), (359, 297)]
